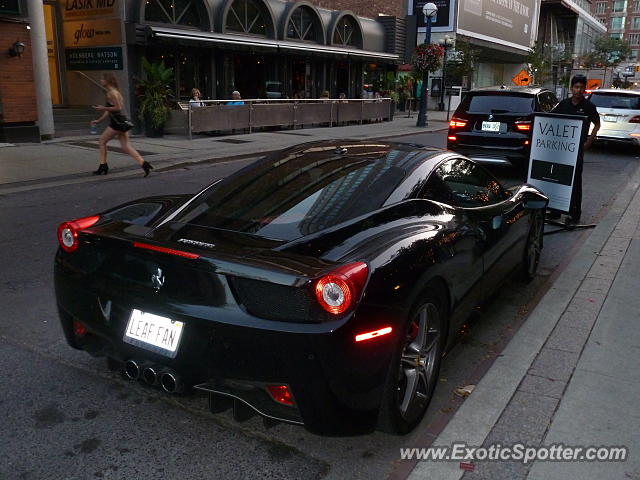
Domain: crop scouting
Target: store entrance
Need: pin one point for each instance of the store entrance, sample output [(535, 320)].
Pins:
[(191, 69)]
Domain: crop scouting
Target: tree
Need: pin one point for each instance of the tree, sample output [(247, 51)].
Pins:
[(607, 52), (537, 64), (462, 63)]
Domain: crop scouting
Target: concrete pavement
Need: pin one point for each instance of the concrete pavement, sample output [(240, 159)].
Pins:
[(70, 160), (570, 374)]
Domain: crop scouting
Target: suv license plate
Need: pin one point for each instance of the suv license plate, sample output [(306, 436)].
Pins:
[(491, 126)]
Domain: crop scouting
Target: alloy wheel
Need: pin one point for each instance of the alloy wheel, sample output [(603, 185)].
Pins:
[(417, 373)]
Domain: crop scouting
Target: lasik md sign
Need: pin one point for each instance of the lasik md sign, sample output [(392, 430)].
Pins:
[(74, 9), (555, 147)]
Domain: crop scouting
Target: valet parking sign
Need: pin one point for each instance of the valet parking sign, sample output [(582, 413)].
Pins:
[(555, 148)]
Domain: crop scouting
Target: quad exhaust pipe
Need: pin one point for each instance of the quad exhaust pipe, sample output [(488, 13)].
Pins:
[(171, 382), (132, 369), (167, 379)]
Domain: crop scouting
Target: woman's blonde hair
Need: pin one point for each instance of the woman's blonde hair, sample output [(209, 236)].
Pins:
[(110, 80), (194, 92)]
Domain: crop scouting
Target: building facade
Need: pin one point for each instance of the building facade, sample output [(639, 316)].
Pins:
[(262, 48), (18, 109)]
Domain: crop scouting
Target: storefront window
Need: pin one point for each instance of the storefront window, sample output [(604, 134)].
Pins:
[(246, 16), (177, 12), (347, 32), (302, 25)]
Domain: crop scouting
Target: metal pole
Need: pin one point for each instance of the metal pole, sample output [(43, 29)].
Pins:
[(190, 132), (41, 69), (422, 115), (443, 86)]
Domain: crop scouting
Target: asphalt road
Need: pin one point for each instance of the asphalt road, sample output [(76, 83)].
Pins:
[(68, 417)]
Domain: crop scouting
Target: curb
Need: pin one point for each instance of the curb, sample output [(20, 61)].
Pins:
[(483, 408)]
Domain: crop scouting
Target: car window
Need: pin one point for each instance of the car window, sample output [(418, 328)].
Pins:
[(497, 102), (547, 101), (623, 101), (299, 196), (470, 185)]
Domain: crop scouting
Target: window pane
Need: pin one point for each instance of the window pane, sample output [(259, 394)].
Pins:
[(616, 100), (470, 184), (154, 12), (498, 103)]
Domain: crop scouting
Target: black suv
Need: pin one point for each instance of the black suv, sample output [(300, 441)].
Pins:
[(494, 124)]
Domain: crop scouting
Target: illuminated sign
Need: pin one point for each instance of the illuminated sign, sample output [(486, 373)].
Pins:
[(78, 9), (90, 33)]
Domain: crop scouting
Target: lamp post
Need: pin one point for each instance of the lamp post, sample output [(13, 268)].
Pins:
[(429, 11), (445, 43)]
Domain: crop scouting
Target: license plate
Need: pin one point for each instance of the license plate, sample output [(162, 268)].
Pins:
[(153, 332), (491, 126), (608, 118)]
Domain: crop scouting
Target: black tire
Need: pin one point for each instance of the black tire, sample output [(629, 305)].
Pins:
[(413, 375), (533, 246)]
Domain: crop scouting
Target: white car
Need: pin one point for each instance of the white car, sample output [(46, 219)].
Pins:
[(619, 114)]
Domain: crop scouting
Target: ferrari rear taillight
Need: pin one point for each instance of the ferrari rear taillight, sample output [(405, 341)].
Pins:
[(281, 394), (68, 232), (340, 289), (635, 119)]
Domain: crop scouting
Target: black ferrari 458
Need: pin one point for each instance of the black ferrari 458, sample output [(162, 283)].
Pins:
[(318, 286)]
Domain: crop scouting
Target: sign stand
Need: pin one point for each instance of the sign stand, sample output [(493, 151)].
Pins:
[(556, 146)]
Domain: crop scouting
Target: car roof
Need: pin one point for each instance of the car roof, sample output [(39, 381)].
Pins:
[(405, 155), (512, 89), (616, 90)]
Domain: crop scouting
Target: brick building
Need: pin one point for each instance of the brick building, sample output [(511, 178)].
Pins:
[(622, 19), (18, 109)]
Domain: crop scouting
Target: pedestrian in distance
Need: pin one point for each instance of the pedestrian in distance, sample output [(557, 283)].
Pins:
[(576, 104), (119, 126), (196, 98), (236, 98)]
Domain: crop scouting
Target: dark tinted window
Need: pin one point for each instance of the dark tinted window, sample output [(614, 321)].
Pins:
[(616, 100), (470, 184), (297, 195), (496, 102), (547, 101)]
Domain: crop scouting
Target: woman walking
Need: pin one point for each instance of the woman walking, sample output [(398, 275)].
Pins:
[(119, 126)]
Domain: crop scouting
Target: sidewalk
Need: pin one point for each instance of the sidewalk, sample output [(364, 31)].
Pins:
[(570, 375), (71, 159)]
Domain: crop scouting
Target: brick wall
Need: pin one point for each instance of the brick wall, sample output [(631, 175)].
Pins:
[(17, 90), (363, 8)]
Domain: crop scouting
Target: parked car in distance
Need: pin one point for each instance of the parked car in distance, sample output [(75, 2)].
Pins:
[(619, 115), (494, 124)]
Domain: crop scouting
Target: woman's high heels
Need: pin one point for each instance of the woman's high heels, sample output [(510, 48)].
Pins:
[(147, 167), (103, 169)]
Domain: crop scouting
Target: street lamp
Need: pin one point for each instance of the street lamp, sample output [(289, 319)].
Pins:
[(445, 43), (429, 11)]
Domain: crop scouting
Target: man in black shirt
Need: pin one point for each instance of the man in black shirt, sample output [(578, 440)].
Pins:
[(578, 105)]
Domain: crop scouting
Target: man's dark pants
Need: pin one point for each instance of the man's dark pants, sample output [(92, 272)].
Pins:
[(576, 194)]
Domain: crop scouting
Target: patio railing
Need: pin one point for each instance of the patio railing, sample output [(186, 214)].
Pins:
[(222, 115)]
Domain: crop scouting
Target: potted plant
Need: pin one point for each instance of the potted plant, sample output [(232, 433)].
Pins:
[(154, 93)]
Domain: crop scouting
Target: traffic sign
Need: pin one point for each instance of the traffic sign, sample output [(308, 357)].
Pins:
[(522, 78)]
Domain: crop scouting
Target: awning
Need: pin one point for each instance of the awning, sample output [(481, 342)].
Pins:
[(222, 39)]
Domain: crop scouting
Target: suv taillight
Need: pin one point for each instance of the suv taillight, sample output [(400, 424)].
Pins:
[(635, 119), (457, 123), (523, 125), (340, 289), (68, 232)]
